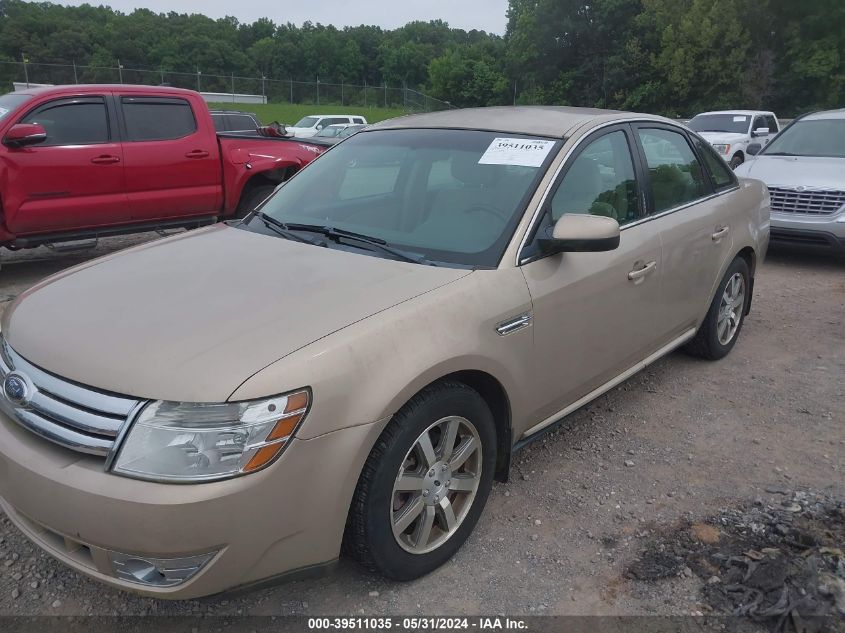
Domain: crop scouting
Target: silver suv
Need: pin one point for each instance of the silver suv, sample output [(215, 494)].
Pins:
[(804, 169)]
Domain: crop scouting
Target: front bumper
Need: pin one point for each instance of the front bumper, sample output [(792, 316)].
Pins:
[(288, 517), (825, 230)]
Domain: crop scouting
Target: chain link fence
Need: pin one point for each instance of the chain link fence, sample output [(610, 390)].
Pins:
[(231, 88)]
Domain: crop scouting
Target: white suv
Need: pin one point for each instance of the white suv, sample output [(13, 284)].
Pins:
[(730, 132), (804, 169), (310, 125)]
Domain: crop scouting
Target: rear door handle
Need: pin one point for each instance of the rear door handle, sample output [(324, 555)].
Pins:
[(197, 153), (105, 159), (720, 233), (639, 273)]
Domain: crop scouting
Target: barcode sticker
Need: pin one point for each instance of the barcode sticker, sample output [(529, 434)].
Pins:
[(517, 151)]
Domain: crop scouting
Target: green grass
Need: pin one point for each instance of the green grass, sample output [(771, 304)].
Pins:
[(291, 113)]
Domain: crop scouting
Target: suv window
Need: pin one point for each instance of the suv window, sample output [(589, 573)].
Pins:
[(73, 121), (357, 119), (674, 171), (722, 175), (600, 181), (157, 118), (335, 121)]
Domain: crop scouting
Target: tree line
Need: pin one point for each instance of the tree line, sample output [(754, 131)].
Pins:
[(674, 57)]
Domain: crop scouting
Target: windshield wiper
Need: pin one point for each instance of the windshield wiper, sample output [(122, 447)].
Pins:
[(282, 229), (780, 154), (379, 244)]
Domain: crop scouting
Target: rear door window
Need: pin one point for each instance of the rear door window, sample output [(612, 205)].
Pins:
[(157, 118), (675, 174), (82, 121)]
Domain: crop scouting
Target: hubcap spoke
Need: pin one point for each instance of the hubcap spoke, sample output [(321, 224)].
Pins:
[(423, 532), (462, 483), (406, 515), (449, 438), (408, 483), (424, 442), (447, 515), (462, 453)]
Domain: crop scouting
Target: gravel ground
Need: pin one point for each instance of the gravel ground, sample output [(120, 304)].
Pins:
[(677, 443)]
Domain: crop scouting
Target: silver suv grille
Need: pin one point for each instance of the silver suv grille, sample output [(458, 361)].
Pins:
[(73, 416), (808, 201)]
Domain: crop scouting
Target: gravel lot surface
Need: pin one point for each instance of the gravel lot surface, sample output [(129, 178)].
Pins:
[(684, 440)]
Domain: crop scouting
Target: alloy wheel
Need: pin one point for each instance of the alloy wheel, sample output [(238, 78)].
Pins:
[(730, 309)]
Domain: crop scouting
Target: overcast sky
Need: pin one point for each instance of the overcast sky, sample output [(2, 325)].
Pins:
[(484, 15)]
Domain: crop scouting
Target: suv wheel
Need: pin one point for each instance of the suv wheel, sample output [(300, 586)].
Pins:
[(424, 484), (720, 328), (737, 160)]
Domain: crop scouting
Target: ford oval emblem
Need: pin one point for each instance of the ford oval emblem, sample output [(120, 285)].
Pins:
[(16, 389)]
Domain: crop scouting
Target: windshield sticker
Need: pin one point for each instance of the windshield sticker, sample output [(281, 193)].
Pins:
[(517, 151), (740, 119)]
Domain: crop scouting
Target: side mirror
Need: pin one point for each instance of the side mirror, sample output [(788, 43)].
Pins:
[(761, 131), (577, 233), (24, 134), (753, 149), (319, 127)]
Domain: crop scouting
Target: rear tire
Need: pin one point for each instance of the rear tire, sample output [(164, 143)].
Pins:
[(720, 329), (442, 482)]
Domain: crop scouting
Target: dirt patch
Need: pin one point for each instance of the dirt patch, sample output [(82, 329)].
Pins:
[(781, 564)]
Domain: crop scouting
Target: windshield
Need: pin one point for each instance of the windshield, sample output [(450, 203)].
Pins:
[(720, 123), (819, 137), (309, 121), (450, 196), (9, 102), (349, 130)]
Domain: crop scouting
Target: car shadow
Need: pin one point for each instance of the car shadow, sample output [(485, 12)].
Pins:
[(815, 257)]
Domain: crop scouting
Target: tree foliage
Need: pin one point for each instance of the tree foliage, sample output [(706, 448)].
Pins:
[(667, 56)]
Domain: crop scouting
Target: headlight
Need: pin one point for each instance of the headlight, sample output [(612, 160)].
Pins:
[(722, 148), (193, 442)]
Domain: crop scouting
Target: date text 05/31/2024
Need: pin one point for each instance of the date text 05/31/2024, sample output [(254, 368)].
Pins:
[(416, 624)]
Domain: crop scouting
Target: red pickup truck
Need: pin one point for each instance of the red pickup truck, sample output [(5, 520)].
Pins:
[(80, 162)]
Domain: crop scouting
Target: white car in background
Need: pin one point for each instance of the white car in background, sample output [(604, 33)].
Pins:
[(804, 169), (730, 132), (308, 126)]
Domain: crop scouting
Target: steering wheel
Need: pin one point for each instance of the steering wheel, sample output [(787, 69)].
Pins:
[(487, 208)]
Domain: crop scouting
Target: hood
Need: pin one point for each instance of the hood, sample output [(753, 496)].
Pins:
[(791, 171), (723, 137), (193, 316)]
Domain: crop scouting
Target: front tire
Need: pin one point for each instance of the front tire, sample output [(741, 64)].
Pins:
[(721, 326), (424, 484)]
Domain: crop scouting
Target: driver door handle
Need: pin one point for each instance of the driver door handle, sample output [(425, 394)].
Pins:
[(720, 233), (639, 273), (105, 159), (197, 153)]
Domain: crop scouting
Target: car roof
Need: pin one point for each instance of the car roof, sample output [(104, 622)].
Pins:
[(323, 116), (122, 88), (548, 121), (825, 115), (745, 112)]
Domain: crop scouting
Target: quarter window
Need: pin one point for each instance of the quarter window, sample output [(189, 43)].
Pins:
[(719, 171), (73, 122), (674, 171), (600, 181), (157, 119)]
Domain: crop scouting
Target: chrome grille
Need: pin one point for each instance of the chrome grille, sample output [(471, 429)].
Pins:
[(73, 416), (807, 202)]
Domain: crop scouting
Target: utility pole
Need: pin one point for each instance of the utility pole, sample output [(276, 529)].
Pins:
[(263, 90), (385, 93), (341, 92), (514, 91), (25, 71), (233, 87), (365, 92), (199, 72), (161, 70), (291, 89), (318, 89), (75, 78), (120, 70)]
